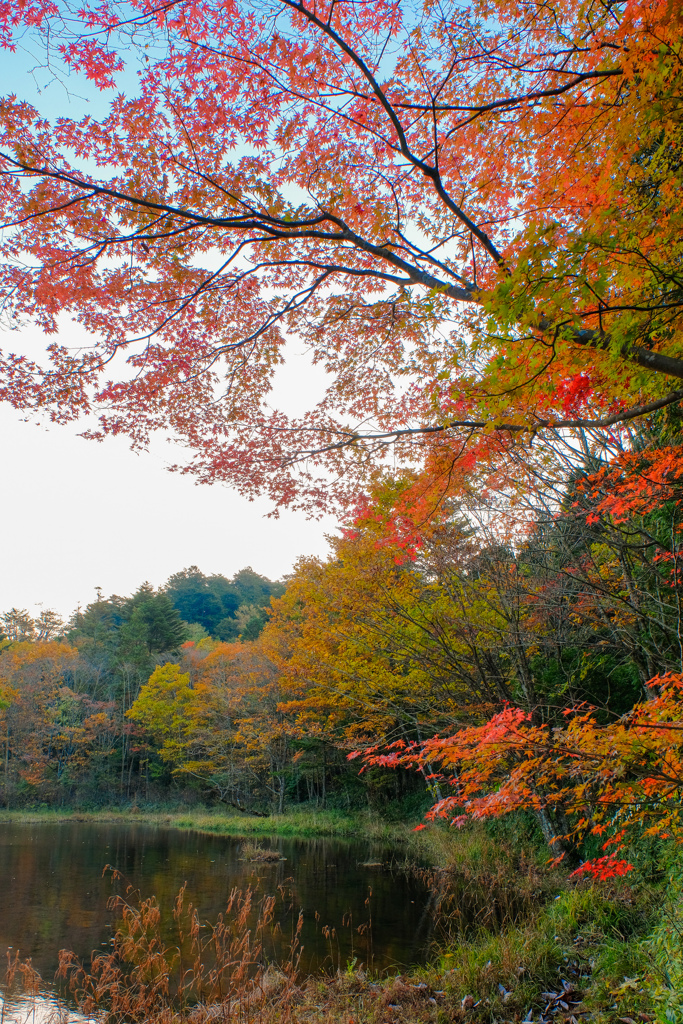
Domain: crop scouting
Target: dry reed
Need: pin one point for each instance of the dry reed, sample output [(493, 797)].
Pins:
[(205, 972)]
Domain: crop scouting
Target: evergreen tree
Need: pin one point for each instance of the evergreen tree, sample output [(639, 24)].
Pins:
[(225, 609), (202, 599), (151, 625)]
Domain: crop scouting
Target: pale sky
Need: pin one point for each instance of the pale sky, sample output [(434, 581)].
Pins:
[(75, 514)]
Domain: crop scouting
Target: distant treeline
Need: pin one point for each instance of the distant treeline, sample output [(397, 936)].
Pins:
[(188, 607), (66, 686)]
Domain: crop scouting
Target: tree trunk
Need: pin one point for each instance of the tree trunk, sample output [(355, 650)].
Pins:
[(560, 847)]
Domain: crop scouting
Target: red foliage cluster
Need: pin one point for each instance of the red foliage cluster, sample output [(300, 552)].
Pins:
[(603, 868), (625, 777)]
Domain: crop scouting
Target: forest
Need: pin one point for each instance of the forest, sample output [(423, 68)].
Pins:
[(68, 687)]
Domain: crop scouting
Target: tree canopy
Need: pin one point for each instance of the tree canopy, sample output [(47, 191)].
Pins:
[(469, 215)]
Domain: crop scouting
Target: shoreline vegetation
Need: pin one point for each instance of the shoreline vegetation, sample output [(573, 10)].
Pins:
[(515, 939), (304, 823)]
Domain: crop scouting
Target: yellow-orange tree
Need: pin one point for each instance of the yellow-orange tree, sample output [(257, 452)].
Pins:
[(52, 732), (371, 646), (215, 719)]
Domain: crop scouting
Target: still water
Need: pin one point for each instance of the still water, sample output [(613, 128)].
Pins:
[(54, 893)]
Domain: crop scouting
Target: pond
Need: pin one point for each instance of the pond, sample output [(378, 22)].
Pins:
[(55, 894)]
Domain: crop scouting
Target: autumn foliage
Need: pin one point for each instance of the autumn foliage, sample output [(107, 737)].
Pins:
[(49, 726), (623, 778), (469, 216)]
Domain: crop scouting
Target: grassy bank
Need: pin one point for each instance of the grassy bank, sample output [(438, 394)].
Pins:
[(584, 957), (304, 822)]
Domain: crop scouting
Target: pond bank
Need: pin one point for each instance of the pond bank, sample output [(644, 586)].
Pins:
[(306, 824), (514, 938), (582, 959)]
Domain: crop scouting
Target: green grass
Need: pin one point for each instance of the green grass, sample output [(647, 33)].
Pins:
[(435, 845), (586, 944), (305, 822), (589, 938)]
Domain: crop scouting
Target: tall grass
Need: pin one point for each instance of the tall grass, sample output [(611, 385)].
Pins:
[(201, 972)]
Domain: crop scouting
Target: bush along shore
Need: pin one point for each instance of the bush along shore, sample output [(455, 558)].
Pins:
[(516, 939)]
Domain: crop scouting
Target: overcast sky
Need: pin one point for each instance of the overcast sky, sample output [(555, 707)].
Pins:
[(76, 515)]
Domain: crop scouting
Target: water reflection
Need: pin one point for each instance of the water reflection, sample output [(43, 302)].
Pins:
[(55, 895), (38, 1009)]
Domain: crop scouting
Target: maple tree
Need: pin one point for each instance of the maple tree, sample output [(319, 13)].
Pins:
[(470, 216), (624, 778), (587, 734)]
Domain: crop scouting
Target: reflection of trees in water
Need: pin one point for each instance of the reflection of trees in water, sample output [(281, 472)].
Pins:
[(55, 896)]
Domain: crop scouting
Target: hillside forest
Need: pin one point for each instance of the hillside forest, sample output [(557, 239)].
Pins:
[(469, 667)]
